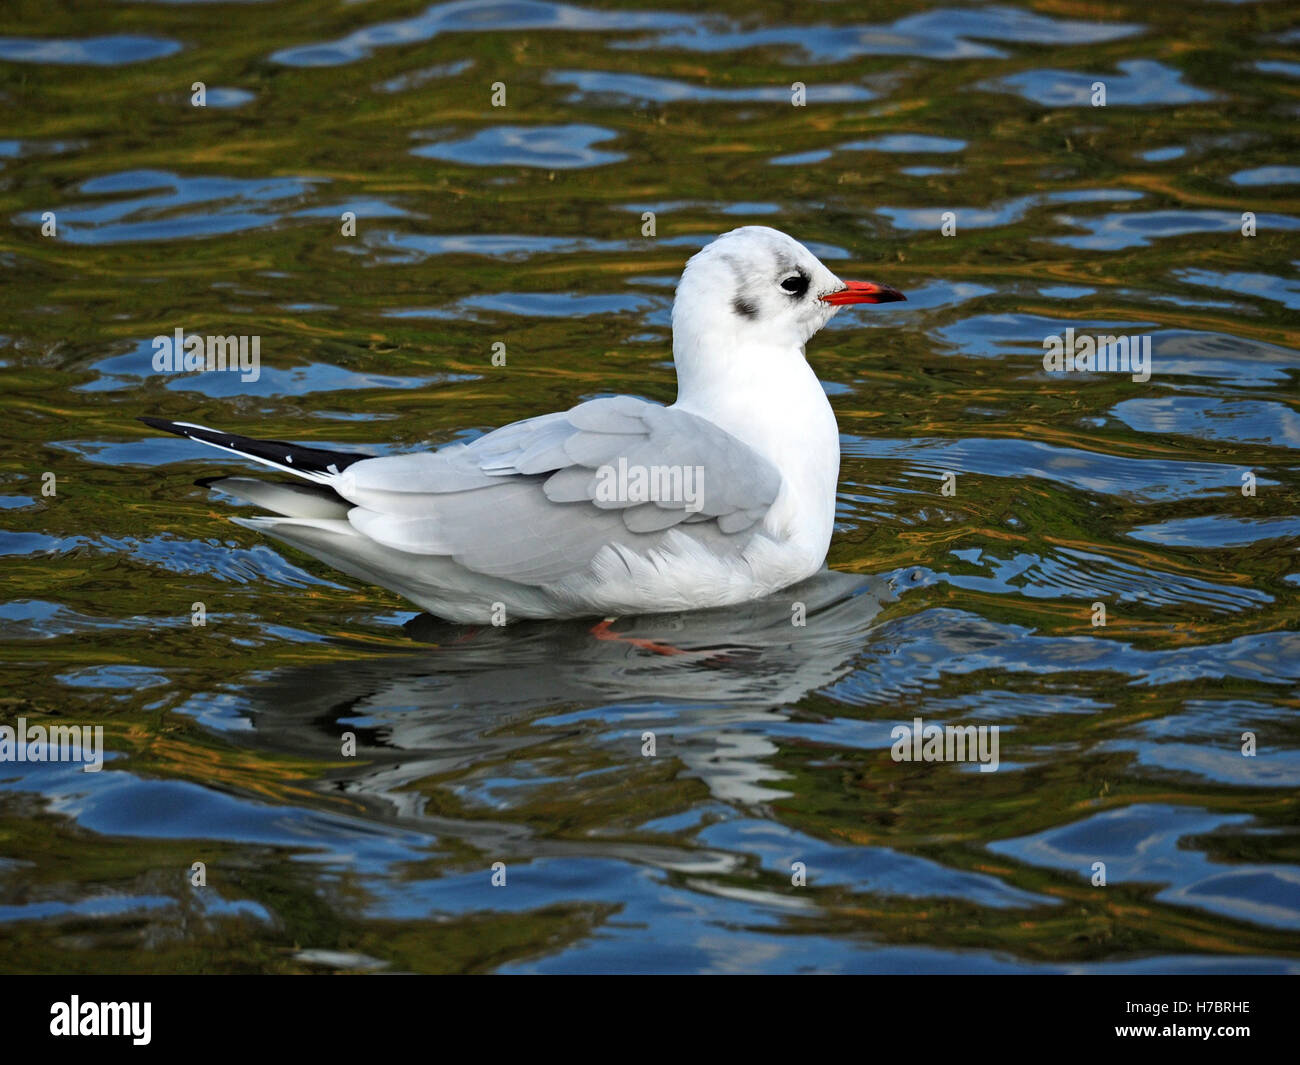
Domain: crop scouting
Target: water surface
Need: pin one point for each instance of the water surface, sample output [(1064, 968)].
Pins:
[(523, 225)]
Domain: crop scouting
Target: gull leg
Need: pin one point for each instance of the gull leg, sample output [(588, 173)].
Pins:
[(602, 630)]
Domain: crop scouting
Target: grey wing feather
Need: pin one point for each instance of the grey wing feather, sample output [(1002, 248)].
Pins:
[(525, 502)]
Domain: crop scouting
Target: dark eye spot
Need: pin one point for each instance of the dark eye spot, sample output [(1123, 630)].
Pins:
[(744, 308), (795, 284)]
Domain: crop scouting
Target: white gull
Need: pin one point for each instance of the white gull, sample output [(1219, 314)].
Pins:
[(617, 506)]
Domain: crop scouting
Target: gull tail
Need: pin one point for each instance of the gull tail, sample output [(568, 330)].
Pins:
[(313, 463), (287, 499)]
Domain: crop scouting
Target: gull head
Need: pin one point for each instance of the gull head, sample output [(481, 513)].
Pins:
[(756, 286)]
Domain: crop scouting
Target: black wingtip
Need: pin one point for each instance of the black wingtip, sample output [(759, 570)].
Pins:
[(292, 458), (161, 423)]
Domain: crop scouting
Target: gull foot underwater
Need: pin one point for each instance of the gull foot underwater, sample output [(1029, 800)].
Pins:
[(724, 497)]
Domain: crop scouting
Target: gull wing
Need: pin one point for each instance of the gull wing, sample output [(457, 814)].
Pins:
[(536, 501)]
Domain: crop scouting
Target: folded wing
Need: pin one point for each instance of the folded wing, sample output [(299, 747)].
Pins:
[(536, 501)]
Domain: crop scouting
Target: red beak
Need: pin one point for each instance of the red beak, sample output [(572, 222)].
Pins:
[(863, 292)]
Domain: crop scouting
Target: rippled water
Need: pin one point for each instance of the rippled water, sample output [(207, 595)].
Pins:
[(522, 225)]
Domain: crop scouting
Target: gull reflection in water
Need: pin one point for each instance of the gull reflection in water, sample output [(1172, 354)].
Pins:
[(450, 704)]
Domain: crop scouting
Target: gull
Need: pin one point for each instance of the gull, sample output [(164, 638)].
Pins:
[(617, 506)]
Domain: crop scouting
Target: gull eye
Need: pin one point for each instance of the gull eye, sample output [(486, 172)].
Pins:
[(795, 284)]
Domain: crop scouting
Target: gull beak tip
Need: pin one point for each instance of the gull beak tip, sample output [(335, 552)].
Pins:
[(863, 292)]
